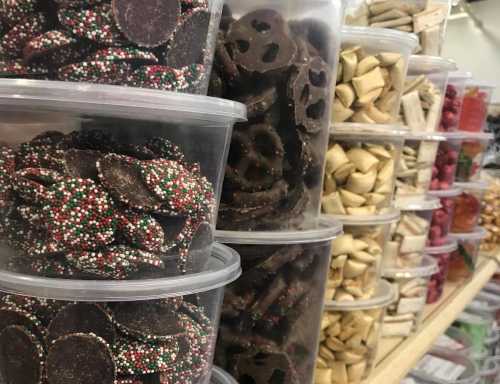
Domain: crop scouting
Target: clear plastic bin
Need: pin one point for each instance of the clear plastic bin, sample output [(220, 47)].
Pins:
[(464, 259), (424, 93), (487, 304), (122, 190), (414, 171), (360, 170), (490, 215), (471, 158), (408, 237), (468, 207), (280, 59), (455, 340), (371, 75), (490, 371), (476, 101), (77, 332), (442, 255), (411, 284), (271, 316), (350, 334), (357, 256), (442, 218), (162, 45), (220, 376), (477, 327), (491, 342), (452, 106), (445, 167)]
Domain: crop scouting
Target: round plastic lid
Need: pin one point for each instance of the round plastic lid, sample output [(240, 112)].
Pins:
[(220, 376), (392, 132), (370, 35), (483, 136), (424, 136), (109, 100), (426, 204), (223, 267), (458, 135), (481, 84), (475, 186), (452, 192), (478, 234), (430, 64), (451, 246), (459, 75), (384, 295), (471, 318), (391, 216), (428, 268), (324, 229)]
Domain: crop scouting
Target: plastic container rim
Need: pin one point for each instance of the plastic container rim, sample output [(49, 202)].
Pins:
[(383, 218), (127, 290), (451, 246), (424, 136), (480, 84), (459, 75), (368, 34), (478, 234), (434, 64), (384, 296), (472, 318), (452, 192), (219, 376), (428, 203), (493, 366), (473, 185), (483, 136), (428, 268), (393, 132)]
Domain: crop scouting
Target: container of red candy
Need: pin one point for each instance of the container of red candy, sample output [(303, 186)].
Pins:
[(442, 255), (443, 173), (452, 106), (442, 217), (475, 106), (471, 158), (468, 207)]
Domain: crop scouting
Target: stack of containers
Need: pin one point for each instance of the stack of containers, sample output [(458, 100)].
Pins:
[(108, 269), (279, 58)]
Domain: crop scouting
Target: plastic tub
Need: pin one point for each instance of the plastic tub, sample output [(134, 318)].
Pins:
[(271, 316), (221, 377), (442, 255), (408, 237), (415, 166), (442, 217), (477, 327), (280, 59), (405, 314), (490, 370), (370, 80), (488, 304), (492, 342), (490, 217), (423, 96), (455, 340), (357, 256), (441, 366), (468, 207), (360, 170), (94, 332), (452, 106), (108, 186), (167, 46), (445, 167), (471, 158), (475, 106), (463, 260), (350, 333)]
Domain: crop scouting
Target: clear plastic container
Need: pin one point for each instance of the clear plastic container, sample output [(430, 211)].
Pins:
[(468, 207), (360, 170), (220, 376), (357, 256), (271, 316), (445, 167), (165, 45), (414, 174), (350, 333), (491, 342), (408, 237), (477, 327), (452, 106), (463, 260), (490, 371), (442, 255), (77, 331), (371, 75), (488, 304), (477, 98), (455, 340), (423, 96), (471, 158), (103, 195), (280, 59), (490, 215), (405, 314), (442, 217)]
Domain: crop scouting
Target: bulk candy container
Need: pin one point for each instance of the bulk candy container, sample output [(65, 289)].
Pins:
[(279, 58), (468, 207), (350, 333), (445, 167), (122, 189), (271, 316), (455, 340), (464, 259), (221, 377), (452, 106), (490, 370), (475, 106), (360, 170), (486, 304), (80, 332), (490, 216), (477, 327), (165, 45), (442, 255), (371, 75), (442, 218), (471, 158)]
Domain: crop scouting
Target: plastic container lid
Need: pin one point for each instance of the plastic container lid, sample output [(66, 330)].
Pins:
[(455, 136), (492, 287), (384, 295), (223, 267), (108, 100), (428, 268), (491, 367), (370, 36), (478, 234), (483, 136), (447, 248), (324, 229), (452, 192), (481, 84), (471, 318), (221, 377), (426, 204), (460, 337), (378, 131), (389, 217), (492, 338), (478, 185), (423, 136), (459, 75), (430, 64)]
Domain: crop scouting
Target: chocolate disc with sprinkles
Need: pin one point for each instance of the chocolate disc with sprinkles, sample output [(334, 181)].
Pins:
[(12, 315), (78, 3), (82, 163), (127, 54), (191, 5), (189, 40), (46, 43), (166, 149), (39, 156), (99, 72), (52, 267), (43, 309), (142, 231), (80, 358), (7, 169), (13, 12), (21, 356), (31, 183), (166, 78), (13, 41), (12, 68), (147, 23), (83, 318)]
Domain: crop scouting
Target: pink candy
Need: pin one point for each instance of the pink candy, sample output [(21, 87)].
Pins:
[(441, 222), (451, 110), (443, 173), (436, 284)]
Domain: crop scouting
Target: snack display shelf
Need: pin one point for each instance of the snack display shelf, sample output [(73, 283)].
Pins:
[(397, 356)]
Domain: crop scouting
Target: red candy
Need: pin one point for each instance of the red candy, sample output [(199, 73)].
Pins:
[(443, 173), (474, 110), (437, 281), (451, 110), (441, 222), (467, 212)]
